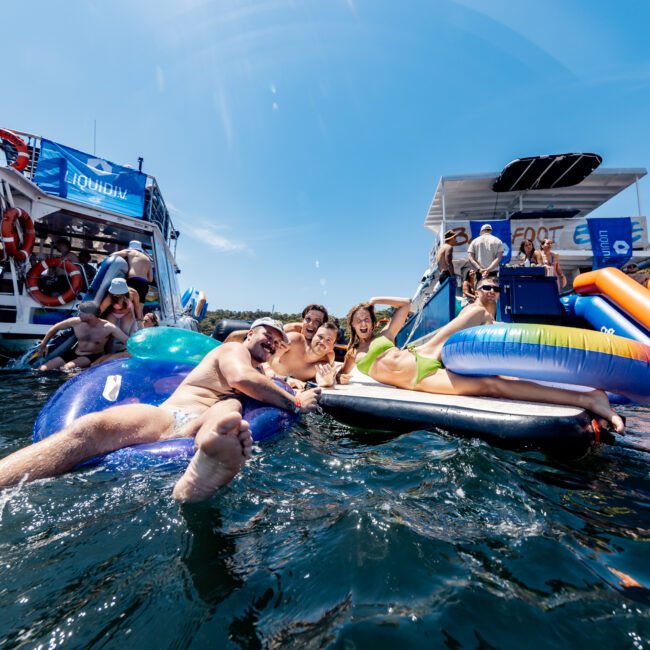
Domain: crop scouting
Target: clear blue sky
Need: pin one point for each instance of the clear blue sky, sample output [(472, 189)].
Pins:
[(300, 142)]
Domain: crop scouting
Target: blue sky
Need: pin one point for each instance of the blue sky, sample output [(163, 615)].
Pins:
[(300, 142)]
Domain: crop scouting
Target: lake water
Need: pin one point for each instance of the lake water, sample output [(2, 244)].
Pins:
[(331, 537)]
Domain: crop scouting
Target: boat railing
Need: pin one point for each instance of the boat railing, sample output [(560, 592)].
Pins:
[(155, 210)]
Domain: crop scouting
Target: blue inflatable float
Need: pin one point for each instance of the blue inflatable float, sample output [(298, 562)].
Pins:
[(133, 381), (552, 353)]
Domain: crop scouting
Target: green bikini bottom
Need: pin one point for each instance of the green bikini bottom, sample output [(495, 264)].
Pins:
[(425, 366)]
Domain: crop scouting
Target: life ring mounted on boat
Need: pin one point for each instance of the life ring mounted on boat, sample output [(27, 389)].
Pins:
[(10, 236), (21, 147), (74, 275)]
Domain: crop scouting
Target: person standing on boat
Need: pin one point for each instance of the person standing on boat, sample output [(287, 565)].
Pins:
[(445, 257), (206, 406), (528, 256), (92, 334), (485, 252), (420, 367), (551, 262), (140, 272)]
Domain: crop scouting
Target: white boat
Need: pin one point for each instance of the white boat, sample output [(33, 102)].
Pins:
[(541, 196), (97, 205)]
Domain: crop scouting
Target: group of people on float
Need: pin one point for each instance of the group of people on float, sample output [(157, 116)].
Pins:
[(120, 314), (207, 405)]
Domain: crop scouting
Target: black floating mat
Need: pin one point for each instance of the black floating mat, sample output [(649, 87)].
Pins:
[(557, 430), (546, 172)]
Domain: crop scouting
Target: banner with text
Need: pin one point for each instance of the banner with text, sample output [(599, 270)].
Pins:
[(500, 229), (611, 241), (81, 177)]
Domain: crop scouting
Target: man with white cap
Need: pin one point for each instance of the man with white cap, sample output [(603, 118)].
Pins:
[(485, 252), (140, 273), (206, 406)]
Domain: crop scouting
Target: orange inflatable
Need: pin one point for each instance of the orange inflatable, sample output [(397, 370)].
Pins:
[(622, 290)]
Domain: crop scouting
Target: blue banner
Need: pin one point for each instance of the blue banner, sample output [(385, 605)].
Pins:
[(500, 229), (611, 241), (83, 178)]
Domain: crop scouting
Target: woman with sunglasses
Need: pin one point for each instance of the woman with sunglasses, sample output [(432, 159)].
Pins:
[(551, 261), (420, 367)]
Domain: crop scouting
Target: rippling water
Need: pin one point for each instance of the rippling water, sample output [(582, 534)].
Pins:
[(332, 537)]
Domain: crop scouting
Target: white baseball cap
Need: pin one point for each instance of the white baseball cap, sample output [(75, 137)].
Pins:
[(136, 245), (267, 321)]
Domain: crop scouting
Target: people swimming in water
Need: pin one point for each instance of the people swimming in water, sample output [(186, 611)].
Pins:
[(308, 360), (420, 367), (206, 407), (92, 334)]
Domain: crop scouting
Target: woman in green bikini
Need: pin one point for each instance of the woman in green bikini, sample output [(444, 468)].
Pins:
[(420, 368)]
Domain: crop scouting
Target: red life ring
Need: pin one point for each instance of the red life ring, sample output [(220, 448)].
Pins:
[(10, 237), (74, 273), (21, 147)]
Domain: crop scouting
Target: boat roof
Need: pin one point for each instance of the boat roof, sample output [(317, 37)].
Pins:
[(471, 196)]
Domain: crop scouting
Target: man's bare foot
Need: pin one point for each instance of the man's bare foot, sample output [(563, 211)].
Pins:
[(220, 456), (597, 402)]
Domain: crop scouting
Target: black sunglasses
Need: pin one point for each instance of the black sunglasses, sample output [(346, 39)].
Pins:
[(490, 287)]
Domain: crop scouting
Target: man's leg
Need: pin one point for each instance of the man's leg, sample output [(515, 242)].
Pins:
[(223, 445), (53, 364), (89, 436)]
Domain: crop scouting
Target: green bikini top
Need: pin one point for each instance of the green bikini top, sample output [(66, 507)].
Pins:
[(377, 346)]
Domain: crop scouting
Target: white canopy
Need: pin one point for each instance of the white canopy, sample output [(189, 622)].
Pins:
[(470, 196)]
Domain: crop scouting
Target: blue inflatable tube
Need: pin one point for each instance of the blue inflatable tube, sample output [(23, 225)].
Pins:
[(604, 317), (133, 381), (113, 266), (552, 353)]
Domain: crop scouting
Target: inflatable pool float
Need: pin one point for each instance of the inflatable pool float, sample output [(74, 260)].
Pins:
[(133, 381), (170, 344), (560, 431), (552, 353)]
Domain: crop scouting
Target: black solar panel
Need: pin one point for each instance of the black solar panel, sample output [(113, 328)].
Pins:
[(546, 172)]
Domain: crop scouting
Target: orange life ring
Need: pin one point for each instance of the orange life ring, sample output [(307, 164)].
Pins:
[(21, 147), (10, 237), (74, 273)]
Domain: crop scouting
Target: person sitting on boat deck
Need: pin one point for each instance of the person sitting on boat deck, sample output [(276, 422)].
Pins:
[(307, 360), (551, 262), (485, 252), (140, 272), (469, 283), (92, 334), (313, 316), (118, 307), (528, 256), (445, 257), (420, 367), (57, 280), (206, 406)]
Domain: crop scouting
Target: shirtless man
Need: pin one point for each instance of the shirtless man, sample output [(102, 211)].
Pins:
[(445, 257), (92, 334), (313, 316), (205, 406), (308, 360), (140, 272)]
